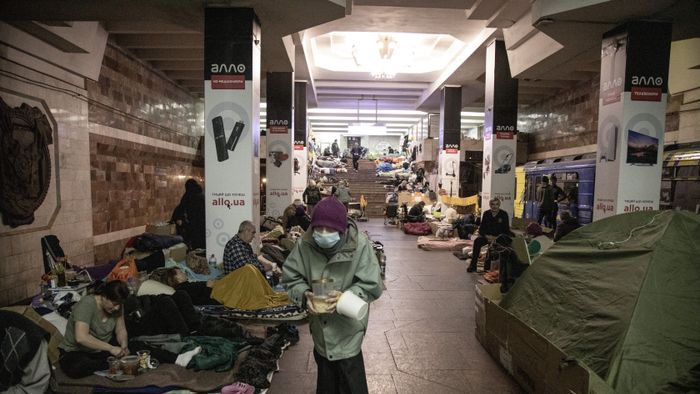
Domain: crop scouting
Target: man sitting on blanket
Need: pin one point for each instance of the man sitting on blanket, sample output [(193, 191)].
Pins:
[(238, 252)]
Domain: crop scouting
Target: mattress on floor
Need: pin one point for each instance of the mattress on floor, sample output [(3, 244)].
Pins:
[(450, 244), (284, 312)]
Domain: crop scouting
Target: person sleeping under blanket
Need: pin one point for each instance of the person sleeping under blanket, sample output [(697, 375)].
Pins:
[(245, 288)]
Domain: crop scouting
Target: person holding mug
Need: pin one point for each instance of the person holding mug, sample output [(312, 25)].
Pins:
[(334, 250)]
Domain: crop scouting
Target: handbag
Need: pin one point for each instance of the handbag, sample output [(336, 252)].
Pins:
[(197, 261), (123, 270)]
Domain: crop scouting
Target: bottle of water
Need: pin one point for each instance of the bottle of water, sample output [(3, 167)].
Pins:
[(212, 261)]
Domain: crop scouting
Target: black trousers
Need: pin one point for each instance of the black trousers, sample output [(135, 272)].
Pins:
[(355, 163), (478, 244), (341, 377)]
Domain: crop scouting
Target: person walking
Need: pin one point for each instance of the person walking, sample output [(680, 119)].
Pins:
[(334, 248), (335, 149), (356, 152)]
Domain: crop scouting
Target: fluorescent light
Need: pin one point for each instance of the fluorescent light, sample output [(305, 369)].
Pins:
[(365, 111), (367, 129), (363, 118)]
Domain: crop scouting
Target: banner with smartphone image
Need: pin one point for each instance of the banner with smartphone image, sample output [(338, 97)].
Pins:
[(232, 123), (279, 164)]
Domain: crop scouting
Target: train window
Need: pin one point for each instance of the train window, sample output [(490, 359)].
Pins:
[(668, 172), (688, 171)]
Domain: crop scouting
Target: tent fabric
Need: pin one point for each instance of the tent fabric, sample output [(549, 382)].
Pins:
[(629, 311)]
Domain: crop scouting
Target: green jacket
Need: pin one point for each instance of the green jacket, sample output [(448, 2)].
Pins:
[(355, 268)]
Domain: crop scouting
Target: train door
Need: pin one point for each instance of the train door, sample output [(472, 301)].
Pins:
[(531, 183)]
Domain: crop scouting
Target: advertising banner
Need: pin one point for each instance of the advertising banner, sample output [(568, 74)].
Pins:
[(280, 151), (500, 117), (232, 123), (299, 179), (449, 171), (632, 116)]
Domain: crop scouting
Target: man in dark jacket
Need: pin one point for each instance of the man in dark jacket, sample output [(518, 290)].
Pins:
[(189, 216), (335, 148), (494, 222), (356, 152)]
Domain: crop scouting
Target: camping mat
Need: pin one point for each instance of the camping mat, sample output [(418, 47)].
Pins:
[(450, 244), (620, 295), (284, 312), (166, 375)]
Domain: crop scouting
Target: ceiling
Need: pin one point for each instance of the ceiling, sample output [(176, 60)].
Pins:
[(552, 44)]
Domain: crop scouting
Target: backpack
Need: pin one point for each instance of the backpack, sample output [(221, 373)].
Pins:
[(313, 195)]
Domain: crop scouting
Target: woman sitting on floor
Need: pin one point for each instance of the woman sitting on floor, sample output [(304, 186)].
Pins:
[(89, 334)]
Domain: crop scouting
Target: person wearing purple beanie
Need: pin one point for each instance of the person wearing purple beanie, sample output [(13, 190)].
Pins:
[(334, 248)]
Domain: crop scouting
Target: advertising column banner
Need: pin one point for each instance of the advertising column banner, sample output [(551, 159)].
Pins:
[(280, 149), (632, 116), (232, 123), (500, 117), (300, 177), (450, 136)]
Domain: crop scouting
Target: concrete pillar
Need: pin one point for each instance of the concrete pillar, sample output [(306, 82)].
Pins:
[(300, 177), (232, 122), (500, 117), (450, 136), (631, 118), (280, 156)]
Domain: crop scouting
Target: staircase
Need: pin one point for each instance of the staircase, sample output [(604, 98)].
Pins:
[(364, 182)]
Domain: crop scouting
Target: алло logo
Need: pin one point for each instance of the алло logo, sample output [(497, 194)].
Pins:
[(228, 76), (217, 202)]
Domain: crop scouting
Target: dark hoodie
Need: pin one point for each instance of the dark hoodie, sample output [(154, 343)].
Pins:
[(192, 213)]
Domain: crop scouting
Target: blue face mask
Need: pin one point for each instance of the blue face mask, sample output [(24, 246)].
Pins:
[(326, 241)]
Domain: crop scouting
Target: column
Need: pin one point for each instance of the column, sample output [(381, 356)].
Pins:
[(500, 117), (280, 156), (450, 136), (631, 118), (300, 177), (232, 122)]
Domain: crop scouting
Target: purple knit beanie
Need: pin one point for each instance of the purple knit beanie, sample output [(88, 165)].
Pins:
[(330, 213)]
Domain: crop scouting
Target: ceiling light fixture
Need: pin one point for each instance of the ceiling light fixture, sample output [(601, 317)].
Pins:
[(380, 61), (375, 128)]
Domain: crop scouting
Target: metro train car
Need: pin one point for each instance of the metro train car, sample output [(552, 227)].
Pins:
[(575, 173)]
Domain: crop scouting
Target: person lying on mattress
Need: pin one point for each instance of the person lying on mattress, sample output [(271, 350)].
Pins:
[(245, 288)]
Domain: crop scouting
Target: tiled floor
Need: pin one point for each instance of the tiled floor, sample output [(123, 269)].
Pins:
[(421, 331)]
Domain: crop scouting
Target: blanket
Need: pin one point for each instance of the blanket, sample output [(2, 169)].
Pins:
[(286, 312), (450, 244), (166, 375)]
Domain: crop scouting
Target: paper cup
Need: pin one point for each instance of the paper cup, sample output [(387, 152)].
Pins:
[(352, 306)]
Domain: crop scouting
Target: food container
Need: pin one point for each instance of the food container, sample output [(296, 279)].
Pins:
[(130, 365)]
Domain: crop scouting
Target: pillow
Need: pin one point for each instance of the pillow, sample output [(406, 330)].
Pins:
[(153, 287)]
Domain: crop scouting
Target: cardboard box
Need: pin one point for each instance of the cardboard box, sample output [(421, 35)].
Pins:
[(488, 293), (161, 228), (534, 362), (177, 252)]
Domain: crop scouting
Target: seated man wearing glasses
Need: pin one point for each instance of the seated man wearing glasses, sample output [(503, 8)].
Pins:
[(238, 251)]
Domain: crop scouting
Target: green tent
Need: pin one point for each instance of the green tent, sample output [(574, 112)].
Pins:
[(622, 297)]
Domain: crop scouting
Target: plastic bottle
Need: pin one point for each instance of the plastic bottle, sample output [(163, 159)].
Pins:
[(212, 261)]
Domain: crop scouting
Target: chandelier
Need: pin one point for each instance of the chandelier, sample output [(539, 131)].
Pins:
[(385, 67), (381, 61)]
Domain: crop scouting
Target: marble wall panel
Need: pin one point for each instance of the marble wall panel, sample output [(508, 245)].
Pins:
[(570, 119)]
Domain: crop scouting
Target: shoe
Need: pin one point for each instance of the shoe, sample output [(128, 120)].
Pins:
[(471, 269)]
